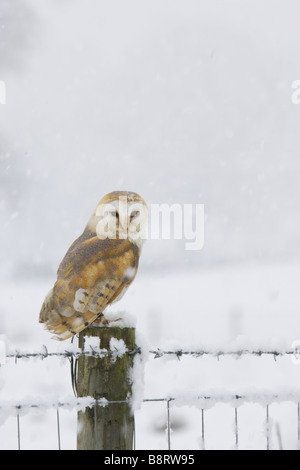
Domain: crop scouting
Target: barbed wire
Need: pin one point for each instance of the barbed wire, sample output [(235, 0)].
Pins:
[(75, 353), (158, 353)]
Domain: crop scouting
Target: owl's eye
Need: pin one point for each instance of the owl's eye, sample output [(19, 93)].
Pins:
[(115, 214), (134, 214)]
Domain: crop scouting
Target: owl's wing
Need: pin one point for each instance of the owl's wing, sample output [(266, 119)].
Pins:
[(85, 287), (69, 320)]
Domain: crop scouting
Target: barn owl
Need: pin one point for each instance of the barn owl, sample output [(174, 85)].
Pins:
[(98, 267)]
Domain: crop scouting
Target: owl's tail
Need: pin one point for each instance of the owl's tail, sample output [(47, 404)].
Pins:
[(62, 326), (46, 307)]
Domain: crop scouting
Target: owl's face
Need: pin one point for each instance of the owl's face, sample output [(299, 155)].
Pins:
[(122, 215)]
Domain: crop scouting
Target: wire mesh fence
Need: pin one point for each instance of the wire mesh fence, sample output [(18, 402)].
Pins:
[(17, 410)]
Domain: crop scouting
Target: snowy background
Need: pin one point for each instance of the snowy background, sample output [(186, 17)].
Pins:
[(182, 102)]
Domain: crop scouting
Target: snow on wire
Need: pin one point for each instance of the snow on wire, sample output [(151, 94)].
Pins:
[(18, 409), (75, 352), (203, 401)]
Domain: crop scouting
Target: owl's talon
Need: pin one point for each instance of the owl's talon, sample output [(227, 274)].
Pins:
[(103, 321)]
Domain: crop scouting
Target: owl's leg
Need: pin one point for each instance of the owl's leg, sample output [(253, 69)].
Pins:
[(103, 321)]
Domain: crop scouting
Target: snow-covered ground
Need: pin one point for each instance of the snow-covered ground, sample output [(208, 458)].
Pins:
[(223, 308)]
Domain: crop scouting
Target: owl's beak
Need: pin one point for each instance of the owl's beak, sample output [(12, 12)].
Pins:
[(123, 229)]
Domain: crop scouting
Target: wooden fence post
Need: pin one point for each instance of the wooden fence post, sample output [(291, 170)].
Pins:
[(110, 427)]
